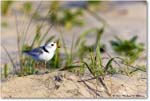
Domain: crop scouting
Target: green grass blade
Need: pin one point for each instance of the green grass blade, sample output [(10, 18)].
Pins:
[(50, 39), (89, 68), (63, 43), (5, 6), (28, 26), (37, 36), (70, 67), (98, 55), (134, 38), (45, 34), (71, 51), (99, 34), (18, 42), (108, 65), (27, 7), (10, 58), (138, 69), (5, 70)]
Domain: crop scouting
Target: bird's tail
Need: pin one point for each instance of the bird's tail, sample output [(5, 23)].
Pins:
[(26, 52)]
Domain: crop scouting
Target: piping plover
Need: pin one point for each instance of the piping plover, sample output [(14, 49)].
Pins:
[(43, 53)]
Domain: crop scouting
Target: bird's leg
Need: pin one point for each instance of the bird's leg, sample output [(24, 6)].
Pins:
[(41, 65), (36, 67), (45, 65)]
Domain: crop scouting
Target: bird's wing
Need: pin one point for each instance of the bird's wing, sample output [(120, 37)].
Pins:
[(36, 51)]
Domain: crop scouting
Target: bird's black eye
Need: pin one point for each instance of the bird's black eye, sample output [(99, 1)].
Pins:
[(52, 44)]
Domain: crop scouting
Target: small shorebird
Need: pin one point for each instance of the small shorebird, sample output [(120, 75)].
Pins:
[(43, 53)]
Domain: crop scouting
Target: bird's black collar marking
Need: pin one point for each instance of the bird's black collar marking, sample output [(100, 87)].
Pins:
[(45, 50)]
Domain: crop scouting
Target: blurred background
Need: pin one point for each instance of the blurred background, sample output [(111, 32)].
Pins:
[(124, 19)]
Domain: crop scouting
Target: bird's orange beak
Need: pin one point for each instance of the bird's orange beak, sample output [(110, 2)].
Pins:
[(58, 46)]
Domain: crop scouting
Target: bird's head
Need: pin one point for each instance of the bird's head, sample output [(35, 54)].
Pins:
[(51, 46)]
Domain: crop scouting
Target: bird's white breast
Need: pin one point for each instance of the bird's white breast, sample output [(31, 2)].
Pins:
[(46, 56)]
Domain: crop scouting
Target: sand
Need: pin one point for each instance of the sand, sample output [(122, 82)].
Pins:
[(63, 84)]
